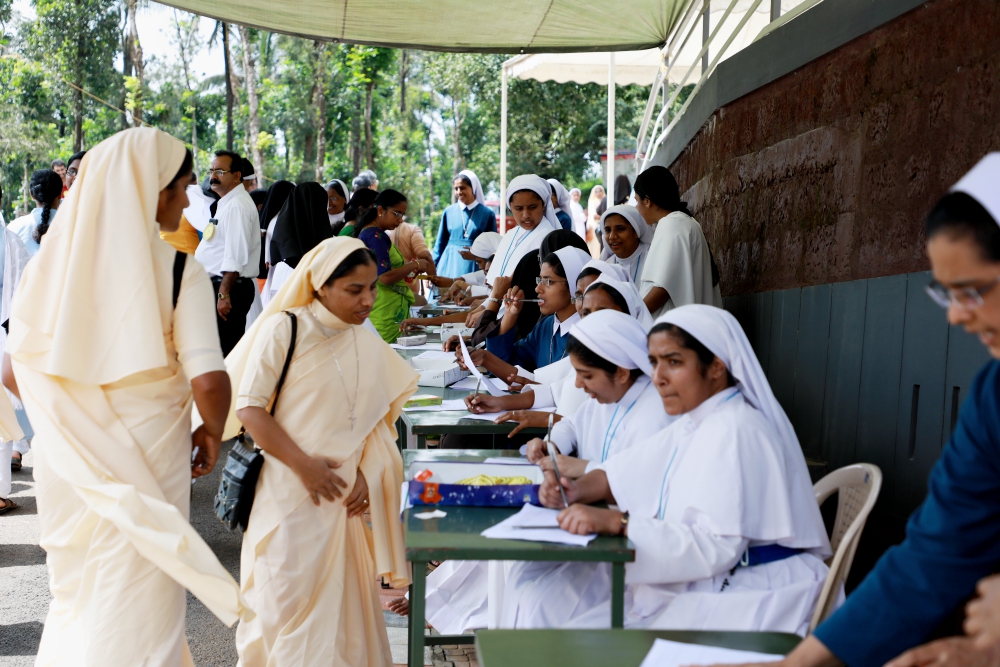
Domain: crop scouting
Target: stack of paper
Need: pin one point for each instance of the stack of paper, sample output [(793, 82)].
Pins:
[(666, 653), (436, 354), (536, 524), (425, 346)]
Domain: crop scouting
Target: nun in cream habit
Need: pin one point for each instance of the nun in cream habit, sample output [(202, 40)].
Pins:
[(310, 563), (721, 510), (107, 384)]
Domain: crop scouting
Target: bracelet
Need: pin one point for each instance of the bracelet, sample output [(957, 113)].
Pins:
[(624, 524), (494, 299)]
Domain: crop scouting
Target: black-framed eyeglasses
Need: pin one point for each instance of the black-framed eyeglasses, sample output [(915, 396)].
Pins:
[(220, 172), (577, 299), (548, 282), (968, 298), (72, 172)]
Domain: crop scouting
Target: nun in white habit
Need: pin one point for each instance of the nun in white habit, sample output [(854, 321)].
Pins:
[(680, 269), (608, 353), (626, 239), (719, 504), (529, 200)]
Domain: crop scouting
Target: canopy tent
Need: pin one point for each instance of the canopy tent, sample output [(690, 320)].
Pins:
[(504, 26)]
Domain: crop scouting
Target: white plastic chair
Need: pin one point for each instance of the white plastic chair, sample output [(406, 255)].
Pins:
[(858, 485)]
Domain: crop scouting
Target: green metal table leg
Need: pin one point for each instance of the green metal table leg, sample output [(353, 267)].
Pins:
[(617, 595), (417, 621)]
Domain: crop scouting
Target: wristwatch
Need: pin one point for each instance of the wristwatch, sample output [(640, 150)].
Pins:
[(223, 297), (621, 529)]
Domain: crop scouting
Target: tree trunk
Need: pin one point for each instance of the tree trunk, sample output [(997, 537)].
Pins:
[(319, 99), (227, 60), (126, 63), (458, 160), (404, 70), (135, 57), (194, 134), (356, 145), (250, 82), (368, 125), (26, 190), (78, 96)]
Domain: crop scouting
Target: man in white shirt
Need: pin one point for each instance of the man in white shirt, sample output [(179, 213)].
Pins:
[(230, 248)]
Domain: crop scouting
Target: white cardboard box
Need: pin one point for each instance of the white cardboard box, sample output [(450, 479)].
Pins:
[(437, 372)]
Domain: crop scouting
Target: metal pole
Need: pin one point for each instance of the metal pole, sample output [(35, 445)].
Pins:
[(503, 150), (705, 32), (611, 128), (775, 10)]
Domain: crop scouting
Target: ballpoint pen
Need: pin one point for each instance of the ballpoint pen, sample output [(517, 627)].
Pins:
[(555, 466)]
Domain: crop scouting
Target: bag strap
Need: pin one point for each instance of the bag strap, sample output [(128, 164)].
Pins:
[(284, 372), (288, 360), (179, 260)]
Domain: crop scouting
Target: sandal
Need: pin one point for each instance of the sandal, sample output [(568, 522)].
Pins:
[(8, 505), (15, 464)]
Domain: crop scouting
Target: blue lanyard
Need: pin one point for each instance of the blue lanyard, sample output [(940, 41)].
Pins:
[(607, 442), (466, 219), (663, 485), (511, 248), (635, 273)]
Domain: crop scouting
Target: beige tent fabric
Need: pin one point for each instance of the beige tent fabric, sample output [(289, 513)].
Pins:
[(515, 26), (310, 570), (113, 458)]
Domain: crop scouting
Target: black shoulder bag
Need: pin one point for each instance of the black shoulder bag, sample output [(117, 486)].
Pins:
[(234, 498)]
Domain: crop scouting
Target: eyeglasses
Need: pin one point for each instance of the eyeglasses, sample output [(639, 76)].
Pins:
[(968, 298), (220, 172), (577, 299), (72, 172), (548, 282), (401, 216)]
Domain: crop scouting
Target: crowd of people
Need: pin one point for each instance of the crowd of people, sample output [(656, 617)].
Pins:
[(149, 316)]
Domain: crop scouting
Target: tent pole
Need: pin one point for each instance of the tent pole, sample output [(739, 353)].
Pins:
[(611, 128), (503, 150)]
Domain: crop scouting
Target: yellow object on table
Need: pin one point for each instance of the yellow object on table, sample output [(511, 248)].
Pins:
[(486, 480)]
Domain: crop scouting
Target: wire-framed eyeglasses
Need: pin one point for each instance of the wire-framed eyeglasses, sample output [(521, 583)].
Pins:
[(968, 298)]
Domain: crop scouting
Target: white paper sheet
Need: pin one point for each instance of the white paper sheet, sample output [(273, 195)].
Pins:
[(425, 346), (666, 653), (467, 383), (490, 416), (487, 382), (438, 354), (536, 524), (446, 406)]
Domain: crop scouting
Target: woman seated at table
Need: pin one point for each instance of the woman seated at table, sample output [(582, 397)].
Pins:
[(719, 504), (547, 341), (554, 386), (608, 352), (626, 239)]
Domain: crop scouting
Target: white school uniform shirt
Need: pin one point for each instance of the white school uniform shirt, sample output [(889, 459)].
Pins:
[(633, 264), (698, 493), (600, 430), (235, 246), (679, 262), (516, 244), (557, 388)]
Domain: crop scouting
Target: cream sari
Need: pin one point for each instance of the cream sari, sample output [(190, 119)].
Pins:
[(309, 570), (102, 360)]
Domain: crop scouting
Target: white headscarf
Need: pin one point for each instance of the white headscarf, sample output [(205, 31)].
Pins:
[(636, 307), (631, 214), (572, 260), (485, 245), (540, 187), (719, 331), (517, 243), (59, 326), (562, 196), (335, 217), (615, 271), (982, 183), (616, 337), (477, 189)]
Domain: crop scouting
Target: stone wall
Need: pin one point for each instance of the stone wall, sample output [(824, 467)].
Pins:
[(825, 174)]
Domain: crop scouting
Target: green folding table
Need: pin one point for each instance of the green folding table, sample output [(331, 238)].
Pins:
[(604, 648), (457, 537)]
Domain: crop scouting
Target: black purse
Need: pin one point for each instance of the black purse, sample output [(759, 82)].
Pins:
[(234, 499)]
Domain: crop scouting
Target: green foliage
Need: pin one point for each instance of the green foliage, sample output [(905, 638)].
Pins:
[(431, 113)]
